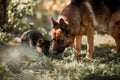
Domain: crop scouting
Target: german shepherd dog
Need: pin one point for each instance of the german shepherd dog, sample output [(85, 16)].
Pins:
[(34, 38), (83, 17)]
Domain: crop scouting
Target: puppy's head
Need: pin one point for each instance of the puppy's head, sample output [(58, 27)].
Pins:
[(60, 34), (43, 45)]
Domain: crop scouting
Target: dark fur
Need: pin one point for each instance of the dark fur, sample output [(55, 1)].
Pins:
[(34, 38), (83, 17), (112, 4), (76, 2)]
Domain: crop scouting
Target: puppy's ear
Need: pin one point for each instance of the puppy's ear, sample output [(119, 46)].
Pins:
[(40, 41), (54, 23)]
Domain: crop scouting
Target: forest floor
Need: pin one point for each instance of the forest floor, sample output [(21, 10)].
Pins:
[(22, 63)]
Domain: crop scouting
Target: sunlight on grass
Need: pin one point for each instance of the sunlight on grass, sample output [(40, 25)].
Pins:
[(100, 39), (64, 66)]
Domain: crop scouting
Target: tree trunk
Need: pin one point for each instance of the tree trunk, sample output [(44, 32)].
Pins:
[(3, 15)]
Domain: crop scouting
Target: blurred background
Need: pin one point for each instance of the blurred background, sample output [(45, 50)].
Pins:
[(17, 16), (23, 63)]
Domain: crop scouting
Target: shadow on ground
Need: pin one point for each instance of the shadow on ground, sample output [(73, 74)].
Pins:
[(96, 76)]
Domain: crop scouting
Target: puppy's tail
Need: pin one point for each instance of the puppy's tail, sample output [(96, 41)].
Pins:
[(17, 40)]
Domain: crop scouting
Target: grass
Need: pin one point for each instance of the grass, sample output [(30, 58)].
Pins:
[(63, 67)]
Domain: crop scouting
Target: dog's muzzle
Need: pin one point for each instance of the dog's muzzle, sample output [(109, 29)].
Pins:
[(58, 51)]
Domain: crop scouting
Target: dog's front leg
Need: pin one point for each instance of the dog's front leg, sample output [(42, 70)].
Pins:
[(90, 43), (77, 44), (31, 43)]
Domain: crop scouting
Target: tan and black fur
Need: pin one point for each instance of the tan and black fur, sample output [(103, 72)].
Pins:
[(83, 17), (34, 38)]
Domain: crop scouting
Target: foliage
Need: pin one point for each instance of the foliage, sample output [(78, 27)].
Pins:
[(29, 14), (19, 10)]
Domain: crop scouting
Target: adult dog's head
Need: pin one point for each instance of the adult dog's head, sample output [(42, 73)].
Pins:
[(61, 36)]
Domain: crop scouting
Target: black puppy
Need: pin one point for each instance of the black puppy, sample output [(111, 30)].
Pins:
[(34, 38)]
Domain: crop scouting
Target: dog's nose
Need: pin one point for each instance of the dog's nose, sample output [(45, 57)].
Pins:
[(46, 52), (58, 51)]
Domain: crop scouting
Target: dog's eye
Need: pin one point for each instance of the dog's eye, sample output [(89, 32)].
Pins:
[(38, 45), (53, 39), (60, 41)]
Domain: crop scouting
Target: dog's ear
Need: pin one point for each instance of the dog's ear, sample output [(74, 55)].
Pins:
[(62, 23), (54, 23), (64, 27)]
